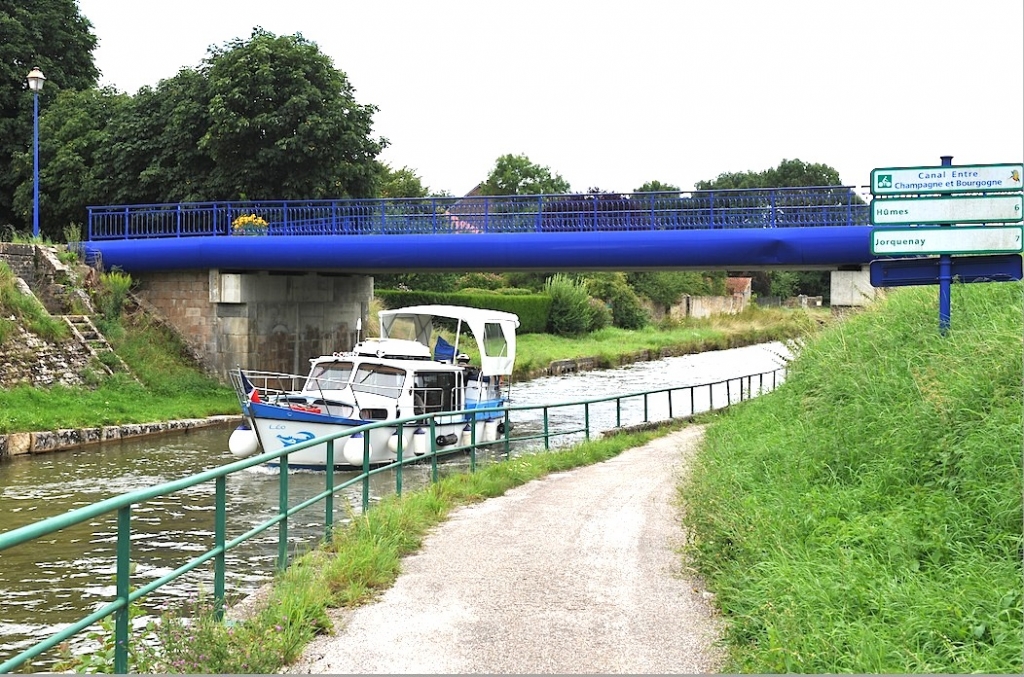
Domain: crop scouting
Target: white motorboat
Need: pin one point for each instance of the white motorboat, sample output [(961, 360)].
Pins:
[(392, 377)]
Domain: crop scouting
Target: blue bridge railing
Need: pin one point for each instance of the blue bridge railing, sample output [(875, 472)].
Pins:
[(696, 210)]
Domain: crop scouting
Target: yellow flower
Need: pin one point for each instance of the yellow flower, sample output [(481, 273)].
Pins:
[(249, 223)]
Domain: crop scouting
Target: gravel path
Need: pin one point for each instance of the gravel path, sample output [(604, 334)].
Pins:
[(573, 573)]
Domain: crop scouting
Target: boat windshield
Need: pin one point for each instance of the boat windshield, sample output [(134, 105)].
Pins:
[(328, 376), (379, 379)]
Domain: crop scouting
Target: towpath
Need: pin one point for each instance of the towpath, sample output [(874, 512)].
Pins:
[(574, 573)]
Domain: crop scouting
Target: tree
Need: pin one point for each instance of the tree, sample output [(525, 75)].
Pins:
[(400, 183), (789, 174), (657, 187), (517, 175), (51, 35), (284, 123)]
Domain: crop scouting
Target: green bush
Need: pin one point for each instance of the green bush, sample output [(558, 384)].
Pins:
[(627, 311), (490, 281), (600, 316), (570, 306), (114, 288)]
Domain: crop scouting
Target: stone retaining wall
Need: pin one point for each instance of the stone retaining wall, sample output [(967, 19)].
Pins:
[(17, 444)]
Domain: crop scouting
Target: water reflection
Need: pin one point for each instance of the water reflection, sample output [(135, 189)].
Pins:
[(47, 583)]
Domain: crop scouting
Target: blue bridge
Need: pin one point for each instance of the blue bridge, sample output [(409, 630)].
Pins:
[(797, 228)]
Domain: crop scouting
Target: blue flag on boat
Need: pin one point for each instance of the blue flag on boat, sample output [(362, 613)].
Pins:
[(443, 351)]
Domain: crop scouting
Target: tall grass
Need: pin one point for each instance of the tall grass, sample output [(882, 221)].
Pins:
[(867, 516), (18, 309)]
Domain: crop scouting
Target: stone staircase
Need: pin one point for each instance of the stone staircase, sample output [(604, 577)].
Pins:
[(86, 333)]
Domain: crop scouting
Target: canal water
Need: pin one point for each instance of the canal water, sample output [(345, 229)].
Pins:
[(48, 583)]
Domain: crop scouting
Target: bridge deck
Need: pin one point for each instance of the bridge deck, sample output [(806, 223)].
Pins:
[(822, 227)]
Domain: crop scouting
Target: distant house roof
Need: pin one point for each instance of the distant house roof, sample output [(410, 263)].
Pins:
[(738, 285)]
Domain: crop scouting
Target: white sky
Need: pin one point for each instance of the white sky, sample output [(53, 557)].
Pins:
[(614, 94)]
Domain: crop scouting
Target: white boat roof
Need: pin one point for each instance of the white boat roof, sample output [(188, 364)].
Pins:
[(492, 329)]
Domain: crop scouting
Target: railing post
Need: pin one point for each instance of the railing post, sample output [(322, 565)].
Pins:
[(586, 420), (127, 223), (693, 410), (366, 471), (329, 499), (646, 417), (772, 221), (472, 442), (177, 221), (122, 618), (728, 393), (398, 454), (282, 511), (508, 438), (618, 412), (433, 451), (220, 528), (547, 443), (670, 404)]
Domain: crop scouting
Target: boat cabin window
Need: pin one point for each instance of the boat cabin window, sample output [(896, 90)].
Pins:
[(494, 340), (435, 391), (328, 376), (379, 379)]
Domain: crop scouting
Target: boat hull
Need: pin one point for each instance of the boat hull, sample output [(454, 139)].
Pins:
[(277, 430)]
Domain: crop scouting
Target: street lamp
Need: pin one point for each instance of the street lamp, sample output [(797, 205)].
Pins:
[(35, 83)]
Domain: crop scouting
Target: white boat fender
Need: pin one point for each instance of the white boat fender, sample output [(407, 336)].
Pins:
[(393, 442), (467, 436), (419, 441), (243, 442), (445, 440), (353, 449), (490, 430)]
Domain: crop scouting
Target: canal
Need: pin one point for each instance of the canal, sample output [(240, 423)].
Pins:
[(46, 584)]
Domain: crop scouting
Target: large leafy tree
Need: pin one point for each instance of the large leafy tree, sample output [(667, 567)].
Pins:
[(517, 175), (284, 123), (51, 35)]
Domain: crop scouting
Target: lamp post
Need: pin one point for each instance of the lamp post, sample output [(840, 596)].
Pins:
[(35, 83)]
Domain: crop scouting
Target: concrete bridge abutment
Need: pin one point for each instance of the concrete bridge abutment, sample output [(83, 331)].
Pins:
[(259, 320), (850, 290)]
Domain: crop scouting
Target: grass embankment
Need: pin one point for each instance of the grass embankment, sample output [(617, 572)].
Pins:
[(867, 516), (171, 388)]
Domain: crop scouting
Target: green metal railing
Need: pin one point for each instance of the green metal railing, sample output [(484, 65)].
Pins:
[(122, 505)]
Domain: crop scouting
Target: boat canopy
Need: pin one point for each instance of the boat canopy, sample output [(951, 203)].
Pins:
[(494, 331)]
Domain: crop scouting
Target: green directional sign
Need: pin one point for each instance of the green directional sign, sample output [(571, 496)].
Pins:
[(960, 179), (954, 209), (966, 240)]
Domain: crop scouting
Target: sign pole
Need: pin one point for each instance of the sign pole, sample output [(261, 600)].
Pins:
[(945, 274)]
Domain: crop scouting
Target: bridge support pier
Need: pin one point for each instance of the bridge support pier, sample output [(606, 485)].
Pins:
[(259, 320), (850, 290)]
